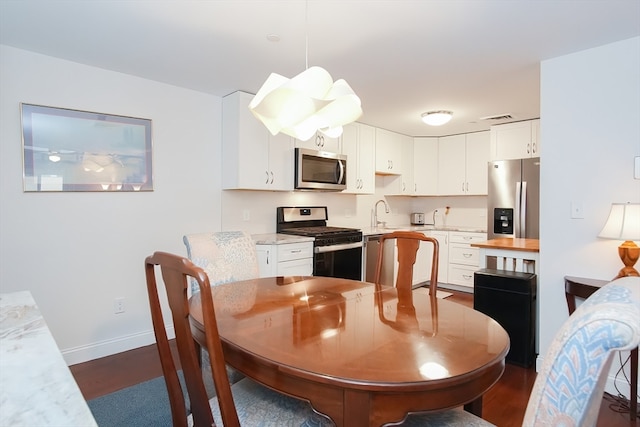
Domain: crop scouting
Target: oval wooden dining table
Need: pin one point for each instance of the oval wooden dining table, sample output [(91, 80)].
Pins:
[(360, 354)]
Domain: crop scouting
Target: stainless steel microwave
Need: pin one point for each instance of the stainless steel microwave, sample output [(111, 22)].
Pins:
[(320, 170)]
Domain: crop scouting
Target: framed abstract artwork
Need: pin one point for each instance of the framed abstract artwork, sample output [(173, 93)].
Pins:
[(72, 150)]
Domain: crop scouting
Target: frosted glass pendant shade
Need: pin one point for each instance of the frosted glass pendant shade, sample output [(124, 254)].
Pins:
[(305, 104)]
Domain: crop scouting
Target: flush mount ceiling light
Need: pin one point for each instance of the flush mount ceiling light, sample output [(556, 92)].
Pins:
[(437, 118), (306, 103)]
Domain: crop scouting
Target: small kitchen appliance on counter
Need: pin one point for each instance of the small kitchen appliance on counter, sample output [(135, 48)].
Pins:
[(417, 218)]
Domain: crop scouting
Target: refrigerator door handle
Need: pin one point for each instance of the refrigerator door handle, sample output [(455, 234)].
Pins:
[(523, 210), (517, 212)]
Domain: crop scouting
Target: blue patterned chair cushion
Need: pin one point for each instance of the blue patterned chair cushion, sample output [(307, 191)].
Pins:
[(259, 406), (568, 389), (226, 256)]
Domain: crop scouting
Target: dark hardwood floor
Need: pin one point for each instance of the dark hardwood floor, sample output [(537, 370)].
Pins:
[(504, 404)]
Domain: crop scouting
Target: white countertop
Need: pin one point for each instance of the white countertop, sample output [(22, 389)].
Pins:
[(36, 386), (370, 231), (279, 239)]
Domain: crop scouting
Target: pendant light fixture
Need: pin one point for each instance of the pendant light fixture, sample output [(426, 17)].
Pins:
[(307, 103)]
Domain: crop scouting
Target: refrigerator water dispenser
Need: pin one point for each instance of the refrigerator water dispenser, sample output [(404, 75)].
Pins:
[(503, 221)]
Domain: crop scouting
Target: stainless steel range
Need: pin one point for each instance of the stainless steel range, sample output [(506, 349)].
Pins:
[(337, 251)]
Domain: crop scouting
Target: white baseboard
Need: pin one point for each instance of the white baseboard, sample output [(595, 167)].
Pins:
[(105, 348)]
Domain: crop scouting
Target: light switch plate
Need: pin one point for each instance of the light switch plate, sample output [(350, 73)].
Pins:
[(636, 169), (577, 211)]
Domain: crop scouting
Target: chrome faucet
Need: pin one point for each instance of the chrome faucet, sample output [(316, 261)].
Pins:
[(374, 217)]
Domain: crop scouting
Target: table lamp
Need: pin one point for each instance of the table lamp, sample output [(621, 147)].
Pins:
[(624, 224)]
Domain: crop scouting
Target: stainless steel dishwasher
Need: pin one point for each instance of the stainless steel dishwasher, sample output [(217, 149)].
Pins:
[(371, 248)]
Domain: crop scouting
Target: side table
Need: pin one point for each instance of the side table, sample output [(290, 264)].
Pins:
[(583, 288)]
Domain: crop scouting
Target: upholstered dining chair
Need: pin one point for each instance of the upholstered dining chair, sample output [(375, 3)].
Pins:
[(243, 403), (226, 256), (569, 387)]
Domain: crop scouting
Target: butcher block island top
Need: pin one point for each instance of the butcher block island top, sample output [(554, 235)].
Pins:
[(510, 244)]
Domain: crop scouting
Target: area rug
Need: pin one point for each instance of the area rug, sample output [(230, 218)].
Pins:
[(144, 404), (439, 293)]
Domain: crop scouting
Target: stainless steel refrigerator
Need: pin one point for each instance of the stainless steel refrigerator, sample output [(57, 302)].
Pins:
[(513, 205)]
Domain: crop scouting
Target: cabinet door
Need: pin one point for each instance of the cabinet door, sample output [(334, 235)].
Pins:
[(443, 255), (388, 157), (535, 138), (280, 162), (358, 143), (511, 141), (267, 265), (451, 161), (351, 150), (320, 142), (425, 166), (245, 148), (367, 158), (477, 159)]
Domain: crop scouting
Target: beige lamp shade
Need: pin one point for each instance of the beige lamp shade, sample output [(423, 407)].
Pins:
[(623, 223), (305, 104)]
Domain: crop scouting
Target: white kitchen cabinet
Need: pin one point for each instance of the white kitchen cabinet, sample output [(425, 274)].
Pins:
[(425, 166), (252, 158), (518, 140), (463, 259), (422, 267), (358, 143), (320, 142), (403, 183), (443, 255), (285, 259), (388, 154), (462, 161)]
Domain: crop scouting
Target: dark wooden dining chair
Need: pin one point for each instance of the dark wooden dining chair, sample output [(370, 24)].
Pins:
[(245, 402), (407, 245)]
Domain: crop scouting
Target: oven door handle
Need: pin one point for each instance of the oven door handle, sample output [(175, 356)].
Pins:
[(334, 248)]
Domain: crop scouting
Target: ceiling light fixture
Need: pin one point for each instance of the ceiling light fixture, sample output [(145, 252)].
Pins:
[(307, 103), (437, 118)]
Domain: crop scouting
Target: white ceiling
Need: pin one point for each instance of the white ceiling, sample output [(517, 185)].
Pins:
[(475, 57)]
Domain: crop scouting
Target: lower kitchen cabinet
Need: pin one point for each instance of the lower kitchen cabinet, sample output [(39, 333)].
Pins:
[(288, 259), (463, 259)]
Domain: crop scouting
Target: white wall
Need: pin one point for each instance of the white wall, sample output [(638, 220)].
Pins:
[(590, 133), (76, 252)]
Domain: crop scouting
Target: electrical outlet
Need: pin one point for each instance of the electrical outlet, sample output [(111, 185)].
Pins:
[(118, 305), (246, 215)]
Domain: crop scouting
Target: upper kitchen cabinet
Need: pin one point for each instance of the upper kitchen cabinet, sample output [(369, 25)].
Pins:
[(402, 182), (252, 158), (358, 143), (519, 140), (462, 161), (425, 166), (388, 155), (320, 142)]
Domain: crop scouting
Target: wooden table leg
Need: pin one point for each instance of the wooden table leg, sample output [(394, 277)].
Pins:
[(475, 407)]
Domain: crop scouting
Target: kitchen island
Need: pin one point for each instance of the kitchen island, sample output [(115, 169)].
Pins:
[(513, 254)]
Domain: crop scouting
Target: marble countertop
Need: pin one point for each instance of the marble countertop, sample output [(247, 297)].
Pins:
[(279, 239), (37, 388), (370, 231)]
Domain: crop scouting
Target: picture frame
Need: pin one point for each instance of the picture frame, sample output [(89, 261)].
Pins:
[(75, 150)]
